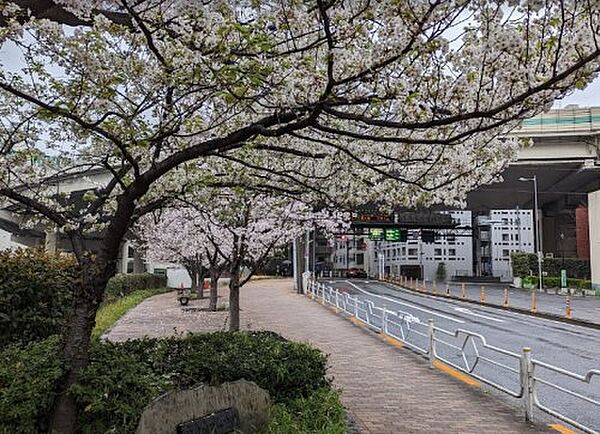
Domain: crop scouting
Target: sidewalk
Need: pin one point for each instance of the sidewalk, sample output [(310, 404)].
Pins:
[(386, 389)]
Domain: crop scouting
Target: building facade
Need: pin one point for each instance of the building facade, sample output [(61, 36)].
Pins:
[(480, 245)]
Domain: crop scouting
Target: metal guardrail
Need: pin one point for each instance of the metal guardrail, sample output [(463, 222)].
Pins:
[(469, 350)]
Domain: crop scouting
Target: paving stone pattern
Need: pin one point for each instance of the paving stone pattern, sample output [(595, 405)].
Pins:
[(386, 389)]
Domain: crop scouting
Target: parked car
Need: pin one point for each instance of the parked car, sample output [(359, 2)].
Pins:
[(356, 273)]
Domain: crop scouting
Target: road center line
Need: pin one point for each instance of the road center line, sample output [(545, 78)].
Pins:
[(406, 304)]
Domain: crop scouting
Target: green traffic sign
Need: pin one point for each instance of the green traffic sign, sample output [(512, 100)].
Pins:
[(563, 278), (396, 234), (376, 234)]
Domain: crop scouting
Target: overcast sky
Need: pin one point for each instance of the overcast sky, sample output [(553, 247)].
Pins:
[(588, 97)]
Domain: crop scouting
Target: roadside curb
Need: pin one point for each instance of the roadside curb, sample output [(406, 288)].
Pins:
[(545, 315)]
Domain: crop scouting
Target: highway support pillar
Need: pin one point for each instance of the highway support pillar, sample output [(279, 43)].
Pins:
[(594, 227)]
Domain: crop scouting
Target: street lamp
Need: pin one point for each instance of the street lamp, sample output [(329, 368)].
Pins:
[(538, 228)]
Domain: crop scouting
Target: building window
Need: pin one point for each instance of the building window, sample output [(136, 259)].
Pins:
[(504, 237), (505, 253), (451, 252), (360, 259), (437, 252), (412, 252)]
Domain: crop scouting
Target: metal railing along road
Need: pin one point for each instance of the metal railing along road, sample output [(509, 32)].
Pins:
[(466, 352)]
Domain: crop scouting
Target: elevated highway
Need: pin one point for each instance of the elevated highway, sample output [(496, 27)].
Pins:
[(565, 158)]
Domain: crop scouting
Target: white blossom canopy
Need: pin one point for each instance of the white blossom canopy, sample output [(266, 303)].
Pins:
[(408, 102)]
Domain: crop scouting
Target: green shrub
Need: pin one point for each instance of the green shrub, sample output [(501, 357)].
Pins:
[(554, 282), (27, 379), (124, 284), (123, 378), (36, 292), (320, 412), (524, 264)]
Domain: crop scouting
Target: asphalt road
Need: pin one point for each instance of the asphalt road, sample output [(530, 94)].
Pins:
[(587, 308), (566, 346)]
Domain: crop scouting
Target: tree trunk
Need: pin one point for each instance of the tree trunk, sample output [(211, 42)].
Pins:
[(234, 303), (214, 291), (64, 415)]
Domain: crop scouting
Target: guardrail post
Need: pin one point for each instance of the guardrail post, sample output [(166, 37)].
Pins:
[(463, 291), (482, 295), (527, 383), (431, 335), (337, 299), (448, 289), (568, 313), (506, 303), (384, 324), (434, 287)]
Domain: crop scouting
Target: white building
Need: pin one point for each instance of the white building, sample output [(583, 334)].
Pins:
[(501, 233), (412, 256), (479, 246)]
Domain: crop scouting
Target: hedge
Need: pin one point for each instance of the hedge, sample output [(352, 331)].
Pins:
[(123, 378), (124, 284), (554, 282), (35, 293), (525, 264)]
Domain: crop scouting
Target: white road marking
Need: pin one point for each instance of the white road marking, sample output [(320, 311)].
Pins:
[(407, 304), (470, 312)]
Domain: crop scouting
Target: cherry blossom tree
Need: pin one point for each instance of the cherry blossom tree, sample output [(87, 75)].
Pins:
[(174, 239), (178, 235), (234, 231), (325, 100)]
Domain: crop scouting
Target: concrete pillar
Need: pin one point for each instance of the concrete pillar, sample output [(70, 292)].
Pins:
[(594, 225)]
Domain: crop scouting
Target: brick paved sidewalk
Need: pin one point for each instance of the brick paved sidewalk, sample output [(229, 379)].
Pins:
[(386, 389)]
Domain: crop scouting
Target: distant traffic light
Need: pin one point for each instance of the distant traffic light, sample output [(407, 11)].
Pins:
[(428, 236)]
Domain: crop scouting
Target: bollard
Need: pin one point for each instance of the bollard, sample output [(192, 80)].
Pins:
[(463, 291), (482, 295), (417, 284), (434, 287), (431, 336), (526, 368), (447, 290), (569, 313), (533, 301), (505, 297)]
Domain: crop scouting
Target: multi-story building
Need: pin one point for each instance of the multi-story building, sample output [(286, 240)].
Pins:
[(350, 251), (497, 235), (480, 245), (421, 260)]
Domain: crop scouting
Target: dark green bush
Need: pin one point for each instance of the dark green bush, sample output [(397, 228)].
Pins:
[(124, 284), (123, 378), (524, 264), (27, 379), (35, 293), (554, 282)]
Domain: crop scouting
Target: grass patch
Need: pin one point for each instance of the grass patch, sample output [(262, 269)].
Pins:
[(110, 313), (321, 412)]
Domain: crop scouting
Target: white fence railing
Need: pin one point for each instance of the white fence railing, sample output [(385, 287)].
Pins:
[(514, 374)]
